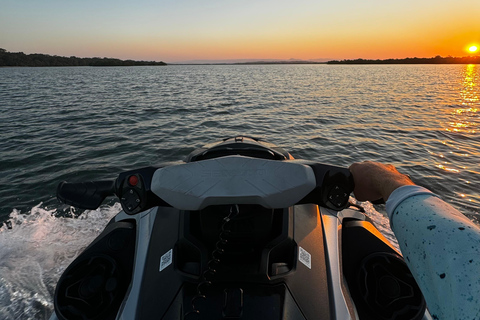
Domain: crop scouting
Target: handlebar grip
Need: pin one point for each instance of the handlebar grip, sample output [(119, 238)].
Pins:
[(85, 195), (334, 186)]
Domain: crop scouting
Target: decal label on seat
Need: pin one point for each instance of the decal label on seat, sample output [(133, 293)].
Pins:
[(305, 257), (166, 259)]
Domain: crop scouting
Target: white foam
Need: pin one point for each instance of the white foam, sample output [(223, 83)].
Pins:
[(34, 253), (379, 219)]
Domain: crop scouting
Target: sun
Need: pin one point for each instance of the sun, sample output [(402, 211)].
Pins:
[(473, 49)]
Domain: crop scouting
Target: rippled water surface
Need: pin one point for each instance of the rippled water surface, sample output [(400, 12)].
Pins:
[(92, 123)]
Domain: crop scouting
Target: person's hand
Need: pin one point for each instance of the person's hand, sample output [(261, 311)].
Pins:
[(375, 180)]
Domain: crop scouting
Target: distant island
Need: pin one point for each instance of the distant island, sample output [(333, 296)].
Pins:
[(20, 59), (434, 60)]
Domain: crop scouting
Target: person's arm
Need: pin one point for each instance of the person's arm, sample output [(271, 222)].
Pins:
[(440, 245)]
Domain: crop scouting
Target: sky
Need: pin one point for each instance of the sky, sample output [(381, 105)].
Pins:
[(183, 30)]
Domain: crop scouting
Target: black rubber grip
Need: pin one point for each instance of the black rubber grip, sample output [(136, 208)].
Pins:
[(334, 185), (85, 195)]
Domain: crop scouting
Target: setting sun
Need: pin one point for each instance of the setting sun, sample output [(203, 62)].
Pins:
[(473, 49)]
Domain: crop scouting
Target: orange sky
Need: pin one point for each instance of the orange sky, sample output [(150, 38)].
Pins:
[(172, 31)]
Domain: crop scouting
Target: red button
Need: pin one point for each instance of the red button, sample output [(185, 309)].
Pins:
[(133, 180)]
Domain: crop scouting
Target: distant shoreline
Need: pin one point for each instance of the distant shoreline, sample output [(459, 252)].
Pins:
[(434, 60), (20, 59)]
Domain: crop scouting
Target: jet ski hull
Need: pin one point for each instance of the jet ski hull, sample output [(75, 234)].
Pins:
[(239, 262)]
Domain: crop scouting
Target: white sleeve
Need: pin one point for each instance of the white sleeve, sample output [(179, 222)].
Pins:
[(442, 249), (402, 193)]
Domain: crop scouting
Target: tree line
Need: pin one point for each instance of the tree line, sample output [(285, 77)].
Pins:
[(434, 60), (20, 59)]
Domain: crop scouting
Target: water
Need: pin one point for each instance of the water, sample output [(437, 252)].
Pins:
[(91, 123)]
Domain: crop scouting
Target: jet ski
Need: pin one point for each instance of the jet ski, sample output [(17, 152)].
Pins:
[(238, 230)]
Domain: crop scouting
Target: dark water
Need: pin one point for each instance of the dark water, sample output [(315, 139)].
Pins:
[(92, 123)]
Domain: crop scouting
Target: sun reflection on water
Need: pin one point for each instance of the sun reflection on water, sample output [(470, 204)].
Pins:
[(457, 159), (465, 116)]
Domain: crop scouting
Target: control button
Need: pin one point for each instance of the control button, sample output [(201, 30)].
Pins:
[(337, 196), (133, 180), (131, 199)]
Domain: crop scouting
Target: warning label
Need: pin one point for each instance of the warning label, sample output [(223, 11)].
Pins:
[(166, 259), (305, 257)]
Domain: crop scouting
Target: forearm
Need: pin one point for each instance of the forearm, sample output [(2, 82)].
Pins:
[(442, 249)]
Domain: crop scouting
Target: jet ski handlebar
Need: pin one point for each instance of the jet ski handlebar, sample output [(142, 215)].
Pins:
[(226, 180), (85, 195)]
